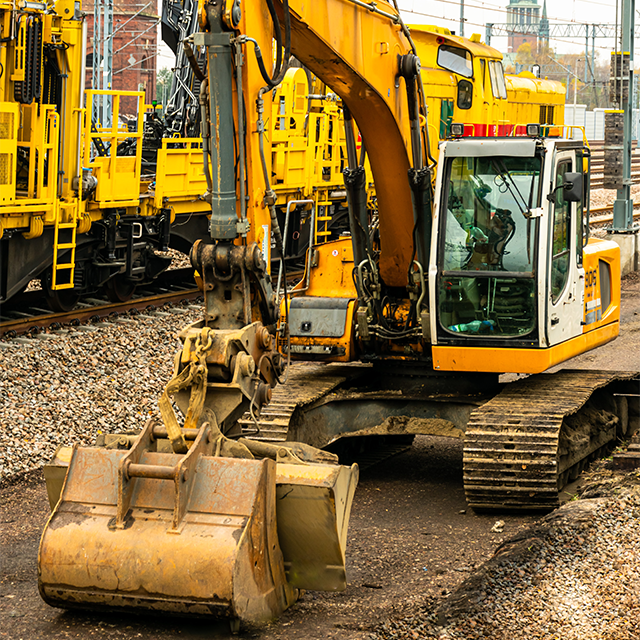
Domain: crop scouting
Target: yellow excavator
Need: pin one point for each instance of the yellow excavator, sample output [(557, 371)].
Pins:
[(480, 267)]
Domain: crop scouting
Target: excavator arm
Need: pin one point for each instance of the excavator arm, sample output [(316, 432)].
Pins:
[(376, 72), (369, 64)]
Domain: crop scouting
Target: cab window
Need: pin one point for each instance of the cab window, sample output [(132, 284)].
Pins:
[(488, 248), (465, 94), (582, 211), (561, 239), (483, 64), (456, 59), (446, 117), (496, 73)]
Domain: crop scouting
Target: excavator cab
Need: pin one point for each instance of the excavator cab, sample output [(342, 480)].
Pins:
[(514, 282), (513, 272)]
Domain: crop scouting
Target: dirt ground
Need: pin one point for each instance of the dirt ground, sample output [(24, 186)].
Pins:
[(412, 540)]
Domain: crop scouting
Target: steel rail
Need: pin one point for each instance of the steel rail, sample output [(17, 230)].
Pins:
[(608, 218), (37, 323)]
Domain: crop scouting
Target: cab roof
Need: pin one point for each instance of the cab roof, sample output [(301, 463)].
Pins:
[(475, 47)]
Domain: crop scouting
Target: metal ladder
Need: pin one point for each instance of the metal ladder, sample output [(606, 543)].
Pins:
[(322, 235), (59, 247)]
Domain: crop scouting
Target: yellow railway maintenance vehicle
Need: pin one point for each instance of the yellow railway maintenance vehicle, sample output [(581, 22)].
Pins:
[(75, 210), (308, 156), (405, 331), (88, 209), (464, 81)]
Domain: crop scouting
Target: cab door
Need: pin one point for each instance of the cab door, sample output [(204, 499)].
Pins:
[(565, 280)]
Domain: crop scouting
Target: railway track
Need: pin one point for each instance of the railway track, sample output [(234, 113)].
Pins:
[(28, 313), (603, 216), (597, 165)]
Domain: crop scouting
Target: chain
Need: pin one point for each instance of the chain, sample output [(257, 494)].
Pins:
[(193, 376)]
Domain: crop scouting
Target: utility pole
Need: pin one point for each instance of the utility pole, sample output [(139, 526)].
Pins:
[(575, 89), (586, 54), (488, 32), (575, 97), (623, 206), (462, 18)]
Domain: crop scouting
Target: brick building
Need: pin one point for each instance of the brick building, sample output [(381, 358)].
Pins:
[(523, 12), (135, 43)]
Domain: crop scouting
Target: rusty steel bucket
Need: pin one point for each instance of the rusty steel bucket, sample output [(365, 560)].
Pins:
[(193, 533)]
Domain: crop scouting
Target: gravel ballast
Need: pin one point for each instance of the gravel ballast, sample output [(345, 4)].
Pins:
[(575, 575), (67, 388)]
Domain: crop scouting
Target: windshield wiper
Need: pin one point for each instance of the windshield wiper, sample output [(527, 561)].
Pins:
[(507, 178)]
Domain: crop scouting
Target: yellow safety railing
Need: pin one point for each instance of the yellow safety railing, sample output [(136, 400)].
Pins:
[(9, 120), (118, 175), (38, 136), (180, 170), (289, 140)]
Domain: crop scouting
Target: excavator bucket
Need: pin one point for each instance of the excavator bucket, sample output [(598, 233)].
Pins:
[(192, 533)]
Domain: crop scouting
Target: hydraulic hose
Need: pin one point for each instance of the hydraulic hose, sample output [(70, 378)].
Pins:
[(193, 63), (281, 65), (205, 133)]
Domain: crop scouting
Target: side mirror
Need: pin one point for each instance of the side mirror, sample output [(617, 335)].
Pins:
[(573, 187)]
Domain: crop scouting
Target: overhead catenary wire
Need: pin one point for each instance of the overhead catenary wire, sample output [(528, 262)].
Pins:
[(133, 64), (155, 24), (126, 22), (495, 8), (476, 24)]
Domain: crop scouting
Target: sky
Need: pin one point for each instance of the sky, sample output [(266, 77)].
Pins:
[(477, 13)]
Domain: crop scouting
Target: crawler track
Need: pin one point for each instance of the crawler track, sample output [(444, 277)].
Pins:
[(306, 383), (515, 456), (521, 447)]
